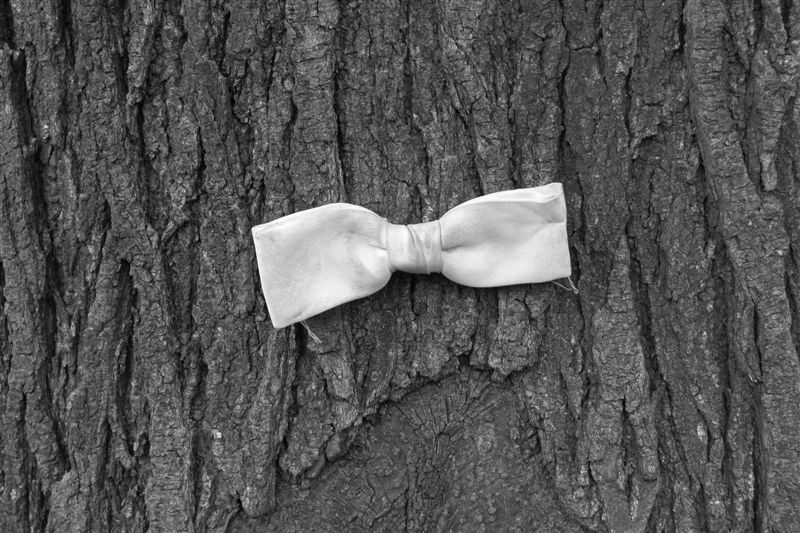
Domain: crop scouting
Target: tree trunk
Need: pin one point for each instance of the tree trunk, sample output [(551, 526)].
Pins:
[(142, 386)]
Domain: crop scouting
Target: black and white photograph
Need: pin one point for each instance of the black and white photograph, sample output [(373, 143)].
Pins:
[(333, 266)]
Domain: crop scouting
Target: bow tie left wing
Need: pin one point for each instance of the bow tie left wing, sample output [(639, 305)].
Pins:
[(316, 259)]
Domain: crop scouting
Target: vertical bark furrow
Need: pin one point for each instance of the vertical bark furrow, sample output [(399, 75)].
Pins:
[(757, 244), (23, 292)]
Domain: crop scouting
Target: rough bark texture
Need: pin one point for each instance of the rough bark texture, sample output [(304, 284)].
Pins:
[(143, 388)]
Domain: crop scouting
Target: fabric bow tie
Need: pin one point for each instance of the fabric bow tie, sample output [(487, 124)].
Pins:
[(316, 259)]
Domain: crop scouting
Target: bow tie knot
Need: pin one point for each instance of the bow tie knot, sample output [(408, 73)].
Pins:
[(415, 248)]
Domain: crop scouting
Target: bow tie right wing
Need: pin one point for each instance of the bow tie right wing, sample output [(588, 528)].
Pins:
[(316, 259), (507, 238)]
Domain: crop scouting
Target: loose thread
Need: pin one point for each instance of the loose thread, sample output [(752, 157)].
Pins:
[(311, 333), (572, 287), (572, 284)]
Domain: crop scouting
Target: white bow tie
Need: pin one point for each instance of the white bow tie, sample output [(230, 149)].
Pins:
[(316, 259)]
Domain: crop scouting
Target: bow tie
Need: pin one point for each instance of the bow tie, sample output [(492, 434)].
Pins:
[(317, 259)]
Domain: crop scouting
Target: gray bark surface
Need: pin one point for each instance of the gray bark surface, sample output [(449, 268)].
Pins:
[(142, 387)]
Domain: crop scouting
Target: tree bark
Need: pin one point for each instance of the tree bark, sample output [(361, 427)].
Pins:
[(142, 387)]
